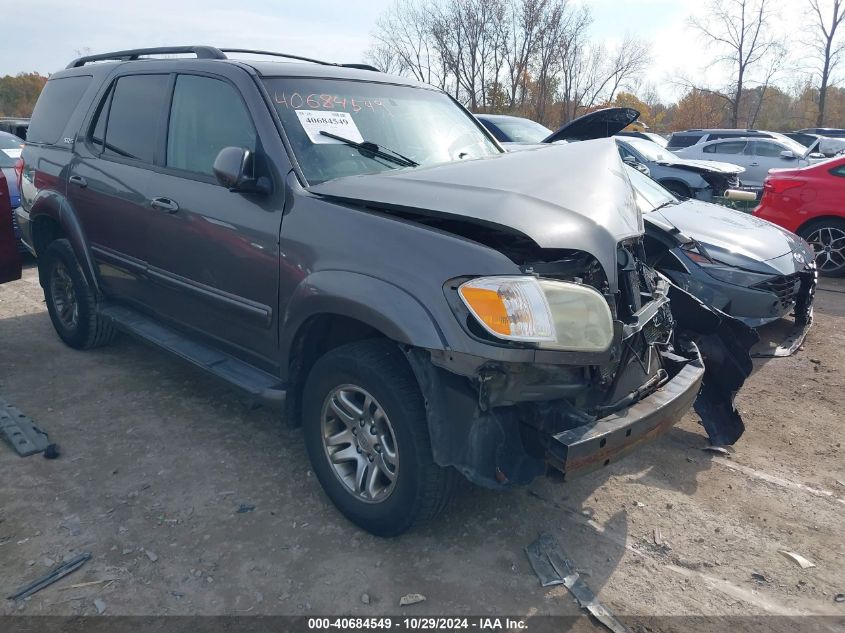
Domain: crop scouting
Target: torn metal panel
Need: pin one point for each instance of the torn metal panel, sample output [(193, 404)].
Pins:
[(20, 432), (553, 567), (725, 344)]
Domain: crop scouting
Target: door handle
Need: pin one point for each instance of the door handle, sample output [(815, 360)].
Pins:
[(165, 204), (78, 181)]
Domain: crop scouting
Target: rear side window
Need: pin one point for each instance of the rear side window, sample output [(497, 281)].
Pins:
[(839, 171), (729, 147), (206, 115), (57, 102), (132, 126), (683, 140)]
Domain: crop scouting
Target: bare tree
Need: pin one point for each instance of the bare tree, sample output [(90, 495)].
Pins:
[(592, 74), (827, 50), (524, 23), (403, 43), (741, 30)]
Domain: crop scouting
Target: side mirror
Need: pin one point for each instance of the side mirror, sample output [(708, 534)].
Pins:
[(234, 168), (818, 155), (787, 154)]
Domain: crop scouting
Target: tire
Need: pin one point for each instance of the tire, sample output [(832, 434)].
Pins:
[(827, 237), (71, 302), (679, 189), (346, 376)]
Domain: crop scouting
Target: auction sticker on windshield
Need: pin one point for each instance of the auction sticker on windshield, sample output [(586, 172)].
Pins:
[(339, 123)]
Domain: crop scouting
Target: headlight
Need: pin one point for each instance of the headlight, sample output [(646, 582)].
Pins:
[(555, 314), (736, 276)]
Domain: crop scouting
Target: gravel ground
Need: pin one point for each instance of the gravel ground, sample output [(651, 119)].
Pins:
[(157, 459)]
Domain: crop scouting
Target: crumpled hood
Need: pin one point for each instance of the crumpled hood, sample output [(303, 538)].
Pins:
[(733, 237), (703, 165), (572, 196)]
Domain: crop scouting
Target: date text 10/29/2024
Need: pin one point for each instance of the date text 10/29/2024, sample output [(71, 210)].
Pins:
[(418, 624)]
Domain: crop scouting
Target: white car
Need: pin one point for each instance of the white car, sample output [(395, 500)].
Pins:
[(756, 154)]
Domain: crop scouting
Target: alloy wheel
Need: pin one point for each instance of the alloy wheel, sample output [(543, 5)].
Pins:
[(360, 444), (829, 244), (64, 296)]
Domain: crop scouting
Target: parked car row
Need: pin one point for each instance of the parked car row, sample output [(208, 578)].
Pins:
[(768, 161), (359, 249)]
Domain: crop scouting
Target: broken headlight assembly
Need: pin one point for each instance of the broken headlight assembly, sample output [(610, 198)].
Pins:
[(554, 314), (723, 272)]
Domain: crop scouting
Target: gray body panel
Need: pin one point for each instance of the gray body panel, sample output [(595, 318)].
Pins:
[(589, 206)]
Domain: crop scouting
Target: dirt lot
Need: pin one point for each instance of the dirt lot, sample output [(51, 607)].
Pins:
[(157, 459)]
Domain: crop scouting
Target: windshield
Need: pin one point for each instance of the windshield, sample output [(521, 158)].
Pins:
[(420, 124), (650, 150), (648, 193), (522, 130), (794, 146)]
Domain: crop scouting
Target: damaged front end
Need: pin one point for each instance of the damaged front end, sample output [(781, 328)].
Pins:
[(503, 423)]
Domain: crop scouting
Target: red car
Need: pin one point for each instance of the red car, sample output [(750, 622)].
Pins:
[(810, 202), (10, 262)]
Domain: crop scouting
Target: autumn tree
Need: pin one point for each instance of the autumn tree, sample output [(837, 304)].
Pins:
[(741, 33), (826, 46), (19, 93)]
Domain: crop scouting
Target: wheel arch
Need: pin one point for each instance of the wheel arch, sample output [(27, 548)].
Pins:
[(818, 218), (333, 308), (53, 218)]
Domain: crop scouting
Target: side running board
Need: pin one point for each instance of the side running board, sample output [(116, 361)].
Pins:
[(254, 381)]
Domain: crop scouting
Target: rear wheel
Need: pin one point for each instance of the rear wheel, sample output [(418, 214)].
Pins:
[(827, 237), (366, 434), (71, 301)]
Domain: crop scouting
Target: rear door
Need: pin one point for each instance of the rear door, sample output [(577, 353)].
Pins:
[(10, 262), (109, 177), (214, 254)]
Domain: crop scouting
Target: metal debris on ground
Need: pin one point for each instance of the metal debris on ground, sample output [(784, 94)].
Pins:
[(100, 606), (840, 597), (20, 432), (411, 598), (717, 449), (658, 536), (244, 508), (759, 577), (553, 567), (55, 574), (797, 558)]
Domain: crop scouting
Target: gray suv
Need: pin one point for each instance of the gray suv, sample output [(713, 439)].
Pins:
[(356, 248)]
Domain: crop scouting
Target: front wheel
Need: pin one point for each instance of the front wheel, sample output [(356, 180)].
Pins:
[(827, 237), (366, 435)]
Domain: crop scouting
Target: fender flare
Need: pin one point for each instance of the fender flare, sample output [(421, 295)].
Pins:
[(52, 205), (380, 304)]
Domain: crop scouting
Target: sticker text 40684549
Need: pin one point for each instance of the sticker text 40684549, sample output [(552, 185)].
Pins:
[(328, 102)]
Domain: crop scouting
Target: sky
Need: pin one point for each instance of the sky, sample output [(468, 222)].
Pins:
[(53, 31)]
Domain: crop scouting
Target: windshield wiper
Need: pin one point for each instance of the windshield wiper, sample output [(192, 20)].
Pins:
[(372, 148), (663, 205)]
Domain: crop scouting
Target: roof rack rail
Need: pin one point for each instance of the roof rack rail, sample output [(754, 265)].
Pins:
[(361, 67), (299, 57), (274, 54), (202, 52)]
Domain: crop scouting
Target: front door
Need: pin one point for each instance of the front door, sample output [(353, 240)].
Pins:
[(213, 253)]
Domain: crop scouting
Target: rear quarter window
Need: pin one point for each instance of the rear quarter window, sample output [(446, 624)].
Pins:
[(677, 141), (56, 103)]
